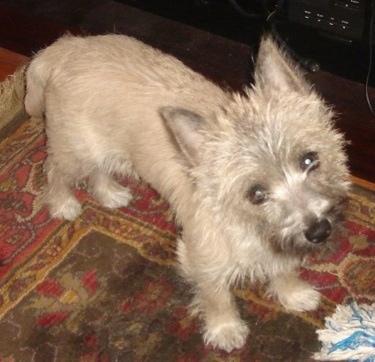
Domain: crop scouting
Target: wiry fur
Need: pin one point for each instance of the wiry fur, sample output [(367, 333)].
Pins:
[(116, 107)]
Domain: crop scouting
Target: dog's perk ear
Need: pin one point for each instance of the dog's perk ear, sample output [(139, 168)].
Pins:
[(274, 69), (186, 127)]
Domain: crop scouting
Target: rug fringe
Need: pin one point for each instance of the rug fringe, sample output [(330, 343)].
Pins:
[(349, 334), (12, 91)]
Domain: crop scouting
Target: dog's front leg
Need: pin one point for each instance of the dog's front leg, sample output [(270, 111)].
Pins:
[(214, 303), (223, 327)]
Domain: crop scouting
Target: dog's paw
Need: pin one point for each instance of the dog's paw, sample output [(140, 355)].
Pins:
[(114, 196), (67, 210), (300, 299), (303, 300), (294, 294), (227, 335)]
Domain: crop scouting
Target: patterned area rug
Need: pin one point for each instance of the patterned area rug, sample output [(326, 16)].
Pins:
[(104, 288)]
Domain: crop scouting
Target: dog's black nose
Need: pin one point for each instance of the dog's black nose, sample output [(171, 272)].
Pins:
[(319, 231)]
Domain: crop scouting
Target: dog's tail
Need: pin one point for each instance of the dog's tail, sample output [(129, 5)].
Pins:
[(37, 75)]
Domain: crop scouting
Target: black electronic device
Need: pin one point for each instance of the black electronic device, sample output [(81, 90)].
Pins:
[(344, 18)]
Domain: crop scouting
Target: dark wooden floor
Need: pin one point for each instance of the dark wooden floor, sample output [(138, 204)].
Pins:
[(26, 27)]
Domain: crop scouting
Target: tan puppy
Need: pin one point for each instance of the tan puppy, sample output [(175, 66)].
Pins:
[(256, 180)]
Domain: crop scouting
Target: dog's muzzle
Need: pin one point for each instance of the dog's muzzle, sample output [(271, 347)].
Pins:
[(319, 231)]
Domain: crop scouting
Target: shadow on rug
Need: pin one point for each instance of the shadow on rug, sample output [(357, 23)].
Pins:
[(104, 288)]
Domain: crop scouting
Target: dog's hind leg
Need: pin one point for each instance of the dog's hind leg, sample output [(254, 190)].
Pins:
[(108, 191), (58, 194)]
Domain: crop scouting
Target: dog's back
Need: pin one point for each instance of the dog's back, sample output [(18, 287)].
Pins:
[(101, 60), (102, 97)]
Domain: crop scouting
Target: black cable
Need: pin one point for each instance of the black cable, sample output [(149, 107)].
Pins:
[(243, 12), (269, 14), (307, 63), (370, 65), (272, 15)]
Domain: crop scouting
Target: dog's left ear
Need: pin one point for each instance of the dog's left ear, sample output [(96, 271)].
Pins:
[(274, 69), (186, 128)]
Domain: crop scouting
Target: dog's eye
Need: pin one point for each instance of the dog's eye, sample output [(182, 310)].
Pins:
[(257, 194), (310, 161)]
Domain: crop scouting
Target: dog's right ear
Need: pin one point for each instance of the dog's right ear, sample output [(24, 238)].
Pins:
[(187, 129), (274, 69)]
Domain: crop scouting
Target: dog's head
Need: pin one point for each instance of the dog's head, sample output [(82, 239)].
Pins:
[(270, 162)]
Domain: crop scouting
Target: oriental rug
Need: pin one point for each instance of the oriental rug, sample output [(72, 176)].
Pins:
[(105, 287)]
